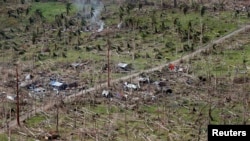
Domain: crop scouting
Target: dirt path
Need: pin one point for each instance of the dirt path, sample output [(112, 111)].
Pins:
[(49, 105)]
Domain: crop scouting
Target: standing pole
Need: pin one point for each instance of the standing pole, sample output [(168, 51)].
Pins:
[(108, 42), (57, 117), (17, 97), (57, 112), (125, 116)]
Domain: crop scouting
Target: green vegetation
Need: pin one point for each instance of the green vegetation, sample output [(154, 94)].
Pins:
[(229, 59), (33, 121), (47, 37), (50, 9), (3, 137)]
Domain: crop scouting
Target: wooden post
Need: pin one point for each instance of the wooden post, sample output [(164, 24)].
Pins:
[(108, 42), (126, 128), (57, 114), (17, 98)]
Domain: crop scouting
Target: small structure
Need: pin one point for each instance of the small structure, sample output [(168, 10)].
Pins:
[(167, 90), (143, 79), (40, 90), (121, 96), (171, 67), (125, 67), (28, 77), (30, 86), (38, 93), (131, 86), (106, 94), (160, 83), (183, 69), (11, 97), (58, 85), (72, 85), (52, 135), (2, 95), (23, 84), (77, 65)]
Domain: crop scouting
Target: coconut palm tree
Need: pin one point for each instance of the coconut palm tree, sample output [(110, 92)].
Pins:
[(153, 20), (92, 10), (34, 36), (177, 25), (202, 13), (139, 5), (203, 10), (83, 22), (190, 29), (58, 20), (68, 7), (121, 10), (129, 7), (39, 14), (121, 14), (185, 9), (27, 11), (222, 5), (175, 3), (59, 34)]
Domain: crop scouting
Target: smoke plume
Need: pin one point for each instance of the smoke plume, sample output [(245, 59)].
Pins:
[(91, 10)]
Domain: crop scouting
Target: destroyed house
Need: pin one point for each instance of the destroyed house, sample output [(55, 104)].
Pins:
[(77, 65), (38, 93), (125, 67), (58, 85), (39, 90)]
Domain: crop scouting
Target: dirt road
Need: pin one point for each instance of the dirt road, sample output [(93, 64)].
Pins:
[(13, 123)]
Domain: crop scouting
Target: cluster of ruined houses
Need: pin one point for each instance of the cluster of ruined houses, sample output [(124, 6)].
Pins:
[(38, 88)]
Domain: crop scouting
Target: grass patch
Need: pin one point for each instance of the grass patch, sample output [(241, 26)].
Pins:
[(33, 121), (3, 137), (104, 109), (225, 62), (150, 109), (51, 9)]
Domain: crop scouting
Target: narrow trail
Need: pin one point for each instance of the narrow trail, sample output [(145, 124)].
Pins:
[(49, 105)]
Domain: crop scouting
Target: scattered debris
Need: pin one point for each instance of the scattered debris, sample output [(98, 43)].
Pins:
[(142, 79), (76, 65), (106, 94), (11, 98), (171, 67), (38, 93), (29, 77), (131, 86), (125, 67), (52, 135), (58, 85)]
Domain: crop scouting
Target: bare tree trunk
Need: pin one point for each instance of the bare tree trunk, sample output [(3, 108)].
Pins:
[(75, 111), (201, 36), (108, 56), (57, 116), (126, 132), (9, 137), (175, 3), (201, 2), (244, 101), (17, 98)]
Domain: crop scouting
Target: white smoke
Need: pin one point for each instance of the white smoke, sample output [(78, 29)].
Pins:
[(120, 25), (101, 26), (91, 11)]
